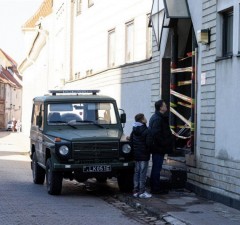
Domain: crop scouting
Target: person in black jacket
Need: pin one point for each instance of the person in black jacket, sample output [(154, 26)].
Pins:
[(141, 140), (162, 143)]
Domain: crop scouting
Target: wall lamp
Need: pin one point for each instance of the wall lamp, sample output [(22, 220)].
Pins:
[(203, 36)]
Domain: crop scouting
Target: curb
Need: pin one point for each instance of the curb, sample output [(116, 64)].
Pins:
[(139, 204)]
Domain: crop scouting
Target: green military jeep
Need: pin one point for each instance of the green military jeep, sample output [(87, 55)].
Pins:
[(77, 134)]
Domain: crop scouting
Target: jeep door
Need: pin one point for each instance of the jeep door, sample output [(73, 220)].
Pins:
[(37, 131)]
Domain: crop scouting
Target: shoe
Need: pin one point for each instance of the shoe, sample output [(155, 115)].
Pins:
[(135, 195), (145, 195)]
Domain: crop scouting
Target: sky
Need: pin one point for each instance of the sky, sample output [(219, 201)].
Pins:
[(13, 14)]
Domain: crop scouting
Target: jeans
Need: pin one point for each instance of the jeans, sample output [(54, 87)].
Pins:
[(140, 175), (157, 161)]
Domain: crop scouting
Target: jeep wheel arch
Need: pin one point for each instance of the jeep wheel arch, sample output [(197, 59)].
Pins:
[(37, 171)]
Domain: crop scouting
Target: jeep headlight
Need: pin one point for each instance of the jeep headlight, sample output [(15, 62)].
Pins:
[(126, 148), (63, 150)]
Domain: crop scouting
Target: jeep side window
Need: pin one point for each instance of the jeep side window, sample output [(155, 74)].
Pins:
[(35, 114), (37, 119)]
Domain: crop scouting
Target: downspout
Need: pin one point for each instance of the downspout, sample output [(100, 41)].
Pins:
[(28, 57), (71, 40)]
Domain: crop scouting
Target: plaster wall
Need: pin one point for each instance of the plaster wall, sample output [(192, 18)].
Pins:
[(91, 33), (35, 83), (227, 109)]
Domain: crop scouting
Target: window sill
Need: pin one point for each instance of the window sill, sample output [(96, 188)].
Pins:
[(223, 58)]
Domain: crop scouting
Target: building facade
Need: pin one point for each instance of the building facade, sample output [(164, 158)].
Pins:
[(106, 45), (10, 90), (217, 168), (213, 162)]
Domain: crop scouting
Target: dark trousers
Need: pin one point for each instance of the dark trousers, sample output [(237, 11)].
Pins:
[(157, 161)]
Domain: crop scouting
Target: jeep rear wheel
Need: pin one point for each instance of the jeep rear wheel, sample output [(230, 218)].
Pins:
[(38, 172), (125, 181), (54, 179)]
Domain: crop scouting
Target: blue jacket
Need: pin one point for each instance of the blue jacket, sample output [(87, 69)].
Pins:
[(141, 141)]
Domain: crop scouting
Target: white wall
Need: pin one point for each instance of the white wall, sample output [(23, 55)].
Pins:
[(91, 32), (35, 83)]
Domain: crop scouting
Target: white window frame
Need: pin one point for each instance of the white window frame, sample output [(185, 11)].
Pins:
[(78, 7), (111, 48), (148, 39), (129, 41)]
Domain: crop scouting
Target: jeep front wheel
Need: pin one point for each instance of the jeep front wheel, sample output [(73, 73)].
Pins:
[(54, 179), (37, 171), (125, 181)]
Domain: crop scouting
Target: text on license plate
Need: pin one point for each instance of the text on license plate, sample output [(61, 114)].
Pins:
[(100, 168)]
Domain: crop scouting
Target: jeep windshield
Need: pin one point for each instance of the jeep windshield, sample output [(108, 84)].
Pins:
[(81, 113)]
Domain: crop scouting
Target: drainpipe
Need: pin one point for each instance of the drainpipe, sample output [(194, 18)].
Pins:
[(71, 40)]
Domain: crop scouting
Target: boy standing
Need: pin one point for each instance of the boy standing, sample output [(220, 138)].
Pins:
[(141, 141)]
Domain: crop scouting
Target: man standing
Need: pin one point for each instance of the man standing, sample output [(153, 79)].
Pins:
[(163, 142)]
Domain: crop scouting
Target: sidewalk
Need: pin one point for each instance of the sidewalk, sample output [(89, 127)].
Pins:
[(185, 208), (21, 142)]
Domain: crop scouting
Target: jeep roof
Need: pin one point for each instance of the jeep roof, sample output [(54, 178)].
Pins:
[(73, 95)]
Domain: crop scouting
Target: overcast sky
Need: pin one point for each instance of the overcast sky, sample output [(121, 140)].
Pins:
[(13, 14)]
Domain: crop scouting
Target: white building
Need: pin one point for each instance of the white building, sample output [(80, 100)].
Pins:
[(102, 45), (10, 90)]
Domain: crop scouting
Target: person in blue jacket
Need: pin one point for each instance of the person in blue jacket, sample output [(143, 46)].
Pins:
[(141, 141)]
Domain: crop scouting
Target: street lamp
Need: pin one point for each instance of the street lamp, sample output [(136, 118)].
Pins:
[(163, 11), (177, 9)]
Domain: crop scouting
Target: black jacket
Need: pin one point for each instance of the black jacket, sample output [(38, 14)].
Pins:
[(141, 141), (162, 135)]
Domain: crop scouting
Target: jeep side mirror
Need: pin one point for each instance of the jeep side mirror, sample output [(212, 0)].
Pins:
[(39, 121), (123, 118)]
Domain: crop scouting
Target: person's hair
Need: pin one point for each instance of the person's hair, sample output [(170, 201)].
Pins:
[(139, 117), (158, 104)]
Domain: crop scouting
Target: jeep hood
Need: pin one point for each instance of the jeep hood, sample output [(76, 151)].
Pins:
[(86, 135)]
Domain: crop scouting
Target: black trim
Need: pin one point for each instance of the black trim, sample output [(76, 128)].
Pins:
[(234, 203), (223, 58)]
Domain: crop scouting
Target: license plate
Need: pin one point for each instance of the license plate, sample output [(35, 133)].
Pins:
[(97, 169)]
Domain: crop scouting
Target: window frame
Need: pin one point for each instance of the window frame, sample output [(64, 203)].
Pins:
[(127, 58), (78, 7), (227, 15), (111, 52), (148, 38), (90, 3)]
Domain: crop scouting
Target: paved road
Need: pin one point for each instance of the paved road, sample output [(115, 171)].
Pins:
[(25, 203)]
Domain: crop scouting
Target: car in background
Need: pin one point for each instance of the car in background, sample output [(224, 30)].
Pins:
[(10, 125)]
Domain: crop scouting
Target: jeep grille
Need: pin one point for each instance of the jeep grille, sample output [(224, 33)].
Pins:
[(88, 151)]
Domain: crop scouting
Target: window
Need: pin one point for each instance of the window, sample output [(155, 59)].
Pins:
[(37, 115), (111, 48), (129, 42), (79, 7), (90, 3), (227, 45), (148, 39), (81, 113)]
